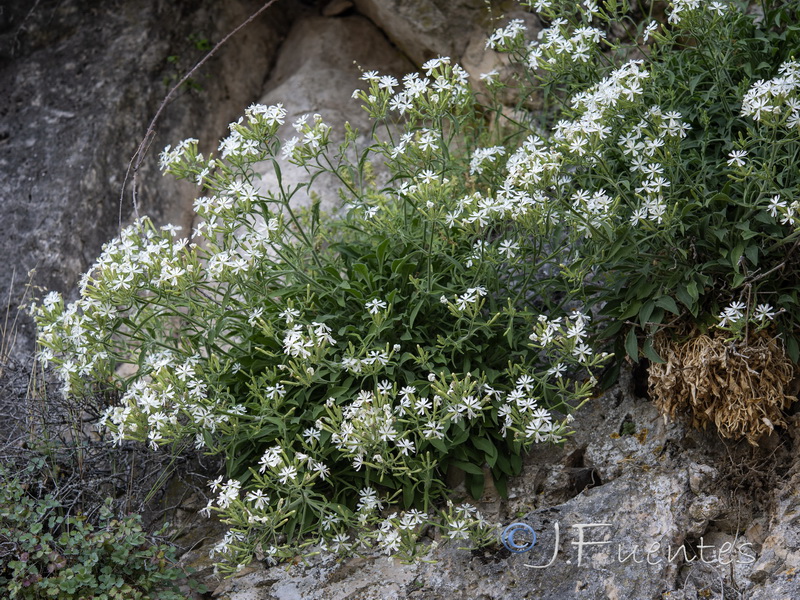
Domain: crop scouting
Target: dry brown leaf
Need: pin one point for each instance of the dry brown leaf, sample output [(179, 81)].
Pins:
[(736, 385)]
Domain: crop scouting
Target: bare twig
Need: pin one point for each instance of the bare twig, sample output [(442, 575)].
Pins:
[(144, 146)]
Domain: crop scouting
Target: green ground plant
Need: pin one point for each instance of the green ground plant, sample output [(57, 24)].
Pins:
[(46, 553), (441, 320)]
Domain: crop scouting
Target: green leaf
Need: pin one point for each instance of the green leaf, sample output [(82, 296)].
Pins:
[(793, 348), (488, 448), (650, 353), (475, 484), (736, 254), (685, 297), (362, 270), (691, 287), (467, 467), (613, 329), (460, 438), (381, 250), (414, 312), (632, 345), (408, 495), (632, 310), (440, 445), (752, 254), (501, 485), (516, 464), (668, 303), (747, 233), (503, 464), (645, 312)]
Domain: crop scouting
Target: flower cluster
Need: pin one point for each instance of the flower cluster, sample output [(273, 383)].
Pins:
[(441, 90), (737, 316), (776, 100)]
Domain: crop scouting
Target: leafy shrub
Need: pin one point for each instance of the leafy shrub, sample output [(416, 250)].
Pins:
[(339, 364), (45, 553), (682, 166), (681, 154), (344, 363)]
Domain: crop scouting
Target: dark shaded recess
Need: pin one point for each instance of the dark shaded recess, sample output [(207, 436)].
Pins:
[(581, 477), (639, 378)]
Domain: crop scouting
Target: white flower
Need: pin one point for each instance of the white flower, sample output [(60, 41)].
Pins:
[(582, 352), (216, 484), (736, 158), (499, 39), (311, 435), (775, 203), (649, 30), (289, 147), (228, 493), (508, 248), (406, 446), (375, 306), (763, 312), (321, 469), (387, 82), (482, 155), (270, 459), (433, 430), (732, 314), (258, 498), (421, 405), (717, 7), (340, 543), (640, 214), (490, 76), (287, 473), (368, 500), (435, 63)]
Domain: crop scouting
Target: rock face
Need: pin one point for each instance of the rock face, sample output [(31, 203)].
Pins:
[(425, 29), (81, 81)]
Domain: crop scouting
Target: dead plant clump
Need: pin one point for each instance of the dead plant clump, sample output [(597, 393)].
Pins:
[(742, 386)]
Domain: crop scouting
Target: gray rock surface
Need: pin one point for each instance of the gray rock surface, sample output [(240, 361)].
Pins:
[(81, 81), (425, 29)]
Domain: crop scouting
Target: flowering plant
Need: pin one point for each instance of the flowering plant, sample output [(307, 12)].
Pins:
[(345, 363), (677, 155), (682, 164)]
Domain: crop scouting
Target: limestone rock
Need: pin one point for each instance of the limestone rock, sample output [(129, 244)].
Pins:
[(620, 523), (701, 478), (316, 72), (424, 29), (778, 567), (336, 8)]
